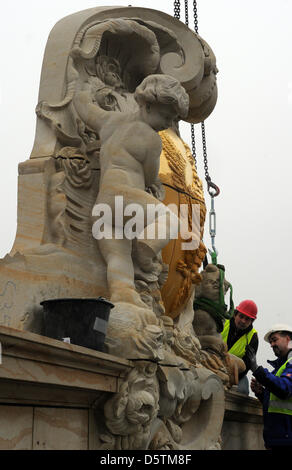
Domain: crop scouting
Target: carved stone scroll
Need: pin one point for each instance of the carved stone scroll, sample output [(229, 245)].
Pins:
[(178, 408), (167, 46)]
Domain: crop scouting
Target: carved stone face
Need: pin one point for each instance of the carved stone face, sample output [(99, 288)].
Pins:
[(210, 285), (159, 116)]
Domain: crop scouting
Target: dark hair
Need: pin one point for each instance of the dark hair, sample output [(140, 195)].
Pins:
[(236, 312), (286, 333)]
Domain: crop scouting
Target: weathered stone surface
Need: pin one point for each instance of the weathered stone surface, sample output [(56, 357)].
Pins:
[(54, 254), (112, 78), (183, 55), (62, 414), (208, 325), (16, 424), (67, 430), (243, 423)]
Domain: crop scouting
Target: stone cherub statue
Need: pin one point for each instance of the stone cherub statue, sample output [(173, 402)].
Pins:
[(128, 169), (96, 140), (208, 323)]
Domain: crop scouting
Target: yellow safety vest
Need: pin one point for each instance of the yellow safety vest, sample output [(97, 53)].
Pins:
[(276, 405), (238, 349)]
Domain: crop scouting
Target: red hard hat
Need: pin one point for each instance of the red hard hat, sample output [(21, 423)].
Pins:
[(248, 308)]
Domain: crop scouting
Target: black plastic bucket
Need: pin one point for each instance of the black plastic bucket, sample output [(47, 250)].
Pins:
[(84, 321)]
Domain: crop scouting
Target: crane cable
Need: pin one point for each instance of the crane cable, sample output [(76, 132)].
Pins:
[(212, 188), (218, 310)]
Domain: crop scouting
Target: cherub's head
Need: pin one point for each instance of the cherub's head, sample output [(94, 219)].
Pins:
[(210, 285), (162, 100)]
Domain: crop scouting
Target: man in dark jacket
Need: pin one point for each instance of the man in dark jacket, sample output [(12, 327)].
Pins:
[(274, 389)]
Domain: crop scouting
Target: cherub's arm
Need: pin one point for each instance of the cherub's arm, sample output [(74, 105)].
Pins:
[(151, 163), (91, 114)]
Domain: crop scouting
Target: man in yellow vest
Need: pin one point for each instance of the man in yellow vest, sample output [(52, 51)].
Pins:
[(240, 336), (274, 389)]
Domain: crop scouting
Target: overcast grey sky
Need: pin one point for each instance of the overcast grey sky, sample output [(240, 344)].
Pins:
[(248, 134)]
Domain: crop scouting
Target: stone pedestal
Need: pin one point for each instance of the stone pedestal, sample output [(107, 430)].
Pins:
[(50, 392), (243, 423), (52, 396)]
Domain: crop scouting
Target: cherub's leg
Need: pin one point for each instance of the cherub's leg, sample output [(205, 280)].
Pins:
[(120, 272), (159, 231)]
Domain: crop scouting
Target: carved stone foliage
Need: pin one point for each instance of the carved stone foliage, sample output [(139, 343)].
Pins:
[(129, 415), (72, 192), (173, 403)]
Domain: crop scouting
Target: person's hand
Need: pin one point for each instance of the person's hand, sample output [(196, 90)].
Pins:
[(251, 356), (256, 387)]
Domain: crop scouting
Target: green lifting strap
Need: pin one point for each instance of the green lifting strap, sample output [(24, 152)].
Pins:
[(218, 310), (213, 257)]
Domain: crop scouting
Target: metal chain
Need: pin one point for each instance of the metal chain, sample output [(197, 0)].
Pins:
[(211, 186), (207, 176), (192, 125), (186, 12), (213, 190), (176, 9), (194, 151), (195, 16)]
